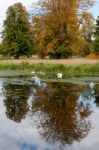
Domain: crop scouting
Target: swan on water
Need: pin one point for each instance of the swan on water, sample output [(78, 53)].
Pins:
[(59, 75), (92, 85), (33, 72)]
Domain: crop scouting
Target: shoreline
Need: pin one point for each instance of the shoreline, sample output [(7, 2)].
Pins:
[(72, 69)]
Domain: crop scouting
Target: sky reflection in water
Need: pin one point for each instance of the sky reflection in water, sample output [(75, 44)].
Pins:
[(39, 115)]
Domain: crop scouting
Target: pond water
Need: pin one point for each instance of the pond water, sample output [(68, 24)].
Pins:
[(45, 113)]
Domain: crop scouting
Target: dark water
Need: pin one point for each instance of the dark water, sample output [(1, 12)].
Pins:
[(49, 114)]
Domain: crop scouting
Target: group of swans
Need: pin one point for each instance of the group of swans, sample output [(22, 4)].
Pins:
[(59, 75)]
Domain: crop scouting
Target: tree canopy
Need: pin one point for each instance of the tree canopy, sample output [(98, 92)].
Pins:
[(59, 30), (96, 34), (17, 37)]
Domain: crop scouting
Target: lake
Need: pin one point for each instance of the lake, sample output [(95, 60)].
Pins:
[(41, 112)]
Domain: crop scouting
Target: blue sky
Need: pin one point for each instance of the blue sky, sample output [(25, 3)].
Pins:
[(4, 4), (95, 9)]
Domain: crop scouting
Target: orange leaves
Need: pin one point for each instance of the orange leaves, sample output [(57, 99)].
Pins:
[(58, 28), (79, 46)]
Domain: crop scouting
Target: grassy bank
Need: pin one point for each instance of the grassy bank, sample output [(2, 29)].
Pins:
[(82, 69)]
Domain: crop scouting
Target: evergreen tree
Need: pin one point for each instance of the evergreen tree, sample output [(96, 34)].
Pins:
[(17, 35), (96, 41)]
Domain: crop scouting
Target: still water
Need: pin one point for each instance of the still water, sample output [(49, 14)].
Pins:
[(49, 114)]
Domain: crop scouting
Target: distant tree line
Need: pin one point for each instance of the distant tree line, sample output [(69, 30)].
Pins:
[(66, 28)]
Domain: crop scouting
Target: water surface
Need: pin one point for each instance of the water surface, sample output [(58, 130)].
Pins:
[(41, 113)]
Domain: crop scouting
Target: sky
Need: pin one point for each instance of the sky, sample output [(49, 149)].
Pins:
[(95, 9), (4, 4)]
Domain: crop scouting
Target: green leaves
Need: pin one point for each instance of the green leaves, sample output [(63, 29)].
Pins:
[(96, 41), (17, 32)]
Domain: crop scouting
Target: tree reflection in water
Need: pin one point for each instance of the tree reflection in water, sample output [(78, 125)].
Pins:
[(97, 96), (59, 113), (60, 118), (16, 101)]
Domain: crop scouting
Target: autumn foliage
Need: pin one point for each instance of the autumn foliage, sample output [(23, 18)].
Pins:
[(61, 29), (64, 29)]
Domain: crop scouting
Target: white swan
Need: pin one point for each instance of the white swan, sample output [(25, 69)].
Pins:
[(59, 75), (41, 73), (92, 85), (32, 72)]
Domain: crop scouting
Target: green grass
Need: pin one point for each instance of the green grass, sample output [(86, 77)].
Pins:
[(86, 69)]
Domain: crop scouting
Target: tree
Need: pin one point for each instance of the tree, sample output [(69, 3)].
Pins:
[(57, 30), (62, 118), (17, 36), (87, 26), (16, 102), (96, 41)]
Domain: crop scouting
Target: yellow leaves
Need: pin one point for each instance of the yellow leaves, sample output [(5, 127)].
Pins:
[(80, 46), (87, 18), (59, 28), (53, 45)]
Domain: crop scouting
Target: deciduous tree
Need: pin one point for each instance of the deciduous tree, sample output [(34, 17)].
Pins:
[(58, 29)]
